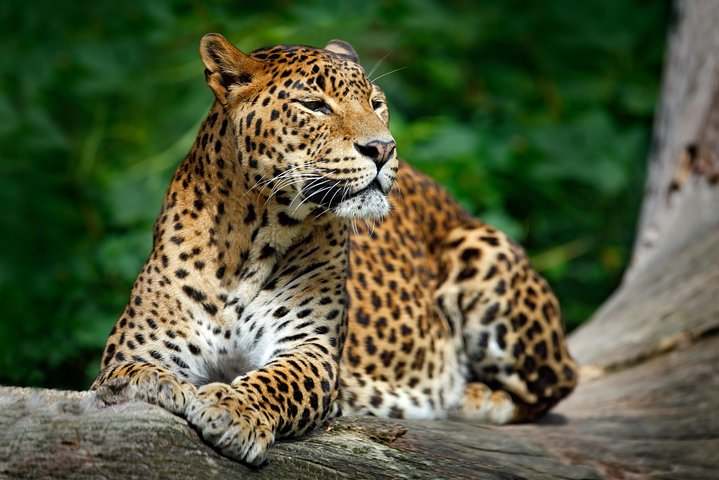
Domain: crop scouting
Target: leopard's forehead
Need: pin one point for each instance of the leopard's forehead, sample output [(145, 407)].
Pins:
[(319, 68)]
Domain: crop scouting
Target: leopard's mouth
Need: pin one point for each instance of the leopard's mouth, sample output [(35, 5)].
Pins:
[(374, 185), (331, 193)]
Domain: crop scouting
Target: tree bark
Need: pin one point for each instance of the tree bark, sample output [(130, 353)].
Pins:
[(647, 404), (669, 293)]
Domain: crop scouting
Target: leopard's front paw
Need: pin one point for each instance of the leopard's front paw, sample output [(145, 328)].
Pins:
[(226, 420), (147, 383)]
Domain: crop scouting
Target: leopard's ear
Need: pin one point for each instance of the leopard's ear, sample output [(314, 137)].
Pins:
[(227, 69), (340, 47)]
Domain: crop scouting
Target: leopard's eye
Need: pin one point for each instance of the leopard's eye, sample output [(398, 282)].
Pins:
[(377, 104), (316, 106)]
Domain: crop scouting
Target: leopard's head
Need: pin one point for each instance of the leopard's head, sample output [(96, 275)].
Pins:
[(309, 125)]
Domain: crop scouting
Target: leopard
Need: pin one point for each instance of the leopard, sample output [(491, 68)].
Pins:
[(300, 271)]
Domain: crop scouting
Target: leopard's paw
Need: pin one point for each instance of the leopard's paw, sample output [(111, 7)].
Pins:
[(224, 419), (483, 404), (146, 383)]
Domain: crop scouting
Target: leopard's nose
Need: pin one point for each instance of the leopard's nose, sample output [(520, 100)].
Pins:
[(380, 152)]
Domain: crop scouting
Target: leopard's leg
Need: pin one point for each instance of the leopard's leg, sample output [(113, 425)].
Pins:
[(507, 327), (303, 322), (143, 381), (284, 398)]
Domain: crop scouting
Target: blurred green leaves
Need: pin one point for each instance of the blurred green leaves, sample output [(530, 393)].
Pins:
[(536, 115)]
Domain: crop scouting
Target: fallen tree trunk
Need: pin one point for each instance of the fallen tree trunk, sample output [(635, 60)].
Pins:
[(63, 435), (658, 418), (647, 405)]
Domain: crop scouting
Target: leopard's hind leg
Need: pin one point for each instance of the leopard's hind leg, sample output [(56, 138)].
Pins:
[(507, 326)]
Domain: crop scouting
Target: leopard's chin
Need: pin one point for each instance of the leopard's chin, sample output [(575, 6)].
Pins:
[(369, 204)]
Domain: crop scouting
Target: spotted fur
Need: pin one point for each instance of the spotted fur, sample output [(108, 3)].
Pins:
[(448, 318), (238, 319)]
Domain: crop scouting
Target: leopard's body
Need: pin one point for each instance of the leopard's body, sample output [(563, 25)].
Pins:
[(447, 316), (238, 319)]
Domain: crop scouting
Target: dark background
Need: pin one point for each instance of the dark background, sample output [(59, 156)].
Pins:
[(536, 115)]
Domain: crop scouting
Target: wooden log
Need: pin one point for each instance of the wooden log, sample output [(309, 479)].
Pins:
[(658, 418), (53, 434)]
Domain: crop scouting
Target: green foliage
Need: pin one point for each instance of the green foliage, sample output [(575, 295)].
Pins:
[(536, 115)]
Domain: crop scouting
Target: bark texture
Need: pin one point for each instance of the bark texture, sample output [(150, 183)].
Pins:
[(647, 405)]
